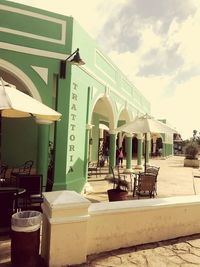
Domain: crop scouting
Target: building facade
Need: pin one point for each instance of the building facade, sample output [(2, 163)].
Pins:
[(33, 43)]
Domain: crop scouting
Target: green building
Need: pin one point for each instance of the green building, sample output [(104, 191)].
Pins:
[(94, 98)]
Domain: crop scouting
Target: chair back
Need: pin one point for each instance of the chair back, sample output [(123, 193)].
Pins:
[(146, 182), (152, 169), (3, 169), (32, 183), (26, 167)]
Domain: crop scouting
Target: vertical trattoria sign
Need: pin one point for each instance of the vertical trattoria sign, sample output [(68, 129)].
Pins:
[(72, 126)]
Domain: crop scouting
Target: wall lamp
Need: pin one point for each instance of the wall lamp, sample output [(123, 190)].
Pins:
[(76, 60)]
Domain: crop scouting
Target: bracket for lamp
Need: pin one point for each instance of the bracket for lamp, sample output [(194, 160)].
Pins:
[(76, 60)]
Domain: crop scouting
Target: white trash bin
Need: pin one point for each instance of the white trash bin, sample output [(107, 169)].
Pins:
[(25, 238)]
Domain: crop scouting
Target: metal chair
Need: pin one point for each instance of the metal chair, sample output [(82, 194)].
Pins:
[(24, 169), (33, 186), (146, 185), (94, 166), (153, 170)]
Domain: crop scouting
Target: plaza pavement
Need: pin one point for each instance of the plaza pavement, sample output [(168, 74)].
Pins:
[(173, 180)]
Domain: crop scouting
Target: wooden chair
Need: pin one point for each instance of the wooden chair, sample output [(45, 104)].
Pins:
[(146, 185), (94, 166), (33, 185), (153, 170)]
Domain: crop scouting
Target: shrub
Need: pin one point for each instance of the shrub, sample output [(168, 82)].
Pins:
[(191, 151)]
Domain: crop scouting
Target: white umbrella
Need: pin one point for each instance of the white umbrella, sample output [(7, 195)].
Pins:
[(15, 104), (146, 124)]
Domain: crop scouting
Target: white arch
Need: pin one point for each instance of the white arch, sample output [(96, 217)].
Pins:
[(107, 101), (127, 114), (20, 75)]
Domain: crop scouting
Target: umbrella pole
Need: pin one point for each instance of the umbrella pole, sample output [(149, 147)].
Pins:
[(145, 152)]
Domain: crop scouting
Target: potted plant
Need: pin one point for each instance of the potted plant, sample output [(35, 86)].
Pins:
[(120, 188), (191, 155)]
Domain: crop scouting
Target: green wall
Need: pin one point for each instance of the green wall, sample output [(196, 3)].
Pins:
[(19, 141)]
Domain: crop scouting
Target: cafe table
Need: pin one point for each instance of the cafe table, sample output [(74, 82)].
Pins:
[(134, 173), (18, 190)]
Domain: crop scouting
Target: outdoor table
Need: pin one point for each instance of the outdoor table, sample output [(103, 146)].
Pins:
[(17, 189), (135, 184), (129, 172), (135, 173)]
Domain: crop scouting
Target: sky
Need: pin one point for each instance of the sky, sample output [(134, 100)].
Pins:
[(155, 43)]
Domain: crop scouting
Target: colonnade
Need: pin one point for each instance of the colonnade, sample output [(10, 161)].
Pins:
[(128, 149)]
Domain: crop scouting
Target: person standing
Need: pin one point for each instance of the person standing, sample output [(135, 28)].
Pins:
[(121, 157), (117, 156)]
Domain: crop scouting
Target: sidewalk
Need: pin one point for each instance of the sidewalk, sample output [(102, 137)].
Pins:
[(173, 180)]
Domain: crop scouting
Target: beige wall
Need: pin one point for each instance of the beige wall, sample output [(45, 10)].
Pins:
[(106, 226)]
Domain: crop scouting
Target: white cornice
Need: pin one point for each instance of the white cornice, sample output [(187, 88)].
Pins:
[(32, 51)]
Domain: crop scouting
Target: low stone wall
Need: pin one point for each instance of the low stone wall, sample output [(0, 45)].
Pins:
[(74, 228)]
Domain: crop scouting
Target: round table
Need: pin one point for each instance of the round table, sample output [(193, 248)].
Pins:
[(18, 190)]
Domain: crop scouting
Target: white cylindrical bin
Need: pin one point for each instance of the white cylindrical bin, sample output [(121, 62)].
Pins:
[(25, 238)]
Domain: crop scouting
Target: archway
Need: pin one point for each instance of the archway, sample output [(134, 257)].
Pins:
[(19, 136), (102, 120)]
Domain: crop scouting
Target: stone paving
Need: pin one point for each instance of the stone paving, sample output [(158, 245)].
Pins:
[(173, 180), (184, 252)]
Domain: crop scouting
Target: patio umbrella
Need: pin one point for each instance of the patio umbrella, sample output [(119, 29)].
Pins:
[(16, 104), (146, 124)]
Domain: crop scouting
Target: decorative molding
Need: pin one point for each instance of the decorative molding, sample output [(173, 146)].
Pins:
[(32, 51), (118, 105), (112, 132), (43, 73), (98, 79), (89, 126), (107, 90), (39, 16), (94, 91), (106, 61), (21, 76)]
